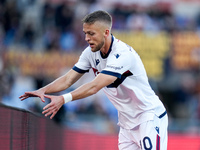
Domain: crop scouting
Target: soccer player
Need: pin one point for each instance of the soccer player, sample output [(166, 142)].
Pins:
[(119, 71)]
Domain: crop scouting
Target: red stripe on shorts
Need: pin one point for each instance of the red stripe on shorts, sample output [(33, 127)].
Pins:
[(158, 142)]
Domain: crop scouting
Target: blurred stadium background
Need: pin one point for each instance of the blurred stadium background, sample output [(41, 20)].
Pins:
[(42, 39)]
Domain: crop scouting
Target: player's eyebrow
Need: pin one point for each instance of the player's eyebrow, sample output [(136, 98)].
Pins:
[(88, 32)]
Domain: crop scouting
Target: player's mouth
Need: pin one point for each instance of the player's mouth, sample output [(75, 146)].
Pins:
[(91, 45)]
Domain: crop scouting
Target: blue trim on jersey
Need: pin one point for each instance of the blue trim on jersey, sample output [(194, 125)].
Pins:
[(105, 56), (120, 78), (111, 73), (163, 114), (79, 70)]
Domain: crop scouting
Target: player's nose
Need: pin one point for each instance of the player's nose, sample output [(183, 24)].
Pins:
[(87, 38)]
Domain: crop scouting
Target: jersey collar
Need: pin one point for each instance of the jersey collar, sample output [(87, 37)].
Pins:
[(105, 56)]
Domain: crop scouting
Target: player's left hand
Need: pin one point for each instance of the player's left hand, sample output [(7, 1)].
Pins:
[(53, 107)]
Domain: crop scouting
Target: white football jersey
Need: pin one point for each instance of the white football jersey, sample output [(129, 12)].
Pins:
[(131, 93)]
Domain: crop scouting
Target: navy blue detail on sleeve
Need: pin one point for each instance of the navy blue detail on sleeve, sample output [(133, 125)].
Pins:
[(163, 114), (119, 80), (79, 70), (111, 73)]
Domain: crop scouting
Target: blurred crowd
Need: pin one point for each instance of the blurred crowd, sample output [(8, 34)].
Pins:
[(47, 25), (55, 26)]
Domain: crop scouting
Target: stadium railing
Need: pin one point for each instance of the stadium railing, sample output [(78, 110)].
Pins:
[(24, 130)]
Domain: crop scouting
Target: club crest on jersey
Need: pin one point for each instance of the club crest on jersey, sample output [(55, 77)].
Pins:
[(97, 61), (117, 55)]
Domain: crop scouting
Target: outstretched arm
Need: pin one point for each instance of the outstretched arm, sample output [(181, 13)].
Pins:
[(88, 89), (83, 91), (58, 85), (62, 82)]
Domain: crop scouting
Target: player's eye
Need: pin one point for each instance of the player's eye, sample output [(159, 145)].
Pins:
[(91, 33)]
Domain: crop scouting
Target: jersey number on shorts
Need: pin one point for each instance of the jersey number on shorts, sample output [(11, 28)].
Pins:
[(146, 142)]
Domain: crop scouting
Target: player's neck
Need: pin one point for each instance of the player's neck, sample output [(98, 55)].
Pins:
[(106, 46)]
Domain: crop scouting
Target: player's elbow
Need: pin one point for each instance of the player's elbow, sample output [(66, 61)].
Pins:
[(95, 88)]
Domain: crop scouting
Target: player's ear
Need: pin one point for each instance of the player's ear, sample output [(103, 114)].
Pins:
[(107, 32)]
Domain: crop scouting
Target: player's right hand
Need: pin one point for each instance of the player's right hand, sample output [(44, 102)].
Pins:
[(37, 93)]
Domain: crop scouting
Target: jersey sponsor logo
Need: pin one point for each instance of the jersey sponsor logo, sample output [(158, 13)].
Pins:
[(97, 61), (114, 67)]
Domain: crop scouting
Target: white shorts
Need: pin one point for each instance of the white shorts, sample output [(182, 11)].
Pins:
[(150, 135)]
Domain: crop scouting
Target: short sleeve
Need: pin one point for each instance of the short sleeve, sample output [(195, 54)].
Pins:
[(83, 65)]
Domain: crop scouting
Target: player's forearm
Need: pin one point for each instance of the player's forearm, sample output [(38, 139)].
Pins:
[(62, 82), (57, 85), (90, 88), (84, 91)]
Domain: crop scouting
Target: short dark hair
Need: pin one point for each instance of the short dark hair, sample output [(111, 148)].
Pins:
[(98, 16)]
